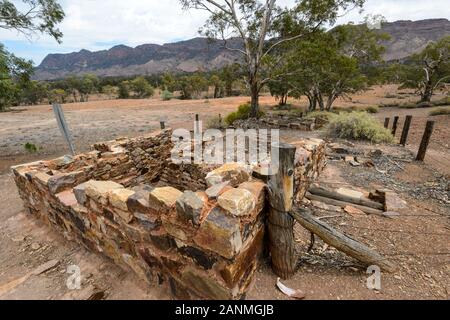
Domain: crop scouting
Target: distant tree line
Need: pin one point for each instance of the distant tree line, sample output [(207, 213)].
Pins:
[(301, 59), (221, 83)]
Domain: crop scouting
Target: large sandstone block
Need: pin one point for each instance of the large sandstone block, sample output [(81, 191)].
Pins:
[(233, 172), (164, 199), (59, 182), (67, 198), (216, 190), (239, 202), (190, 206), (80, 193), (220, 233), (42, 178), (119, 197), (204, 285), (247, 259), (258, 190), (99, 190)]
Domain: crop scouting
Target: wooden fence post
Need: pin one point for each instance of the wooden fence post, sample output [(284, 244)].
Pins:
[(280, 222), (386, 122), (425, 141), (197, 124), (394, 126), (405, 132)]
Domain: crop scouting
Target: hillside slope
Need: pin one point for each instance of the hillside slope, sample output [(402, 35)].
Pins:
[(199, 54)]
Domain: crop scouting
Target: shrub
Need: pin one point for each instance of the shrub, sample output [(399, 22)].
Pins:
[(408, 106), (359, 126), (440, 111), (215, 122), (322, 116), (30, 147), (242, 113), (166, 95), (391, 96), (373, 109), (442, 102), (390, 105)]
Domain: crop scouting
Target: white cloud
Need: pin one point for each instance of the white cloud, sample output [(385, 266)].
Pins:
[(96, 25)]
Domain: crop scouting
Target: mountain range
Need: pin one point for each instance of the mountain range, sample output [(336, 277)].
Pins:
[(200, 54)]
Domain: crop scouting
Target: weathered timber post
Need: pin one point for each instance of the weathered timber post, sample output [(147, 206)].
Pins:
[(386, 122), (281, 224), (197, 123), (405, 132), (425, 141), (395, 125)]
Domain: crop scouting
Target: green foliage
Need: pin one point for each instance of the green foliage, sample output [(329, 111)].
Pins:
[(440, 111), (429, 70), (58, 96), (124, 90), (15, 74), (34, 92), (327, 66), (30, 147), (138, 88), (191, 86), (166, 95), (87, 85), (31, 16), (359, 126), (168, 82), (228, 76), (81, 87), (243, 112), (252, 22), (110, 91), (141, 88), (280, 89)]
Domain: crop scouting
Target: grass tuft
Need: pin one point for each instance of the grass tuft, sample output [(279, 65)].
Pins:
[(359, 126), (440, 111)]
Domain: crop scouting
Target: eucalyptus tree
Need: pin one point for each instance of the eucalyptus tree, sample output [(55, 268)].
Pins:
[(429, 70), (262, 27)]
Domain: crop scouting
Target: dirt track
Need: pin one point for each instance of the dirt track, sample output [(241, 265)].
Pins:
[(420, 246)]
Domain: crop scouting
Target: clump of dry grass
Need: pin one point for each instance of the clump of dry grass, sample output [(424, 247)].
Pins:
[(358, 126), (440, 111)]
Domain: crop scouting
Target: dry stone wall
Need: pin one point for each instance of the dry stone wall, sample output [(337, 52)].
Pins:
[(198, 231)]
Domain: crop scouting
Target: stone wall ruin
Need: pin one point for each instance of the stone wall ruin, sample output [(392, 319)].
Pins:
[(199, 230)]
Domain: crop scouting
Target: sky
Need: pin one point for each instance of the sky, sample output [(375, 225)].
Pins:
[(98, 24)]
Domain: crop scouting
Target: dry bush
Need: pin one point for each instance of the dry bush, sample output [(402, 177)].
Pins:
[(440, 111), (359, 126), (215, 122)]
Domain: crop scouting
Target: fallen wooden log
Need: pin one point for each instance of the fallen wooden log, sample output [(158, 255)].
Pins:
[(344, 204), (341, 241), (337, 196)]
